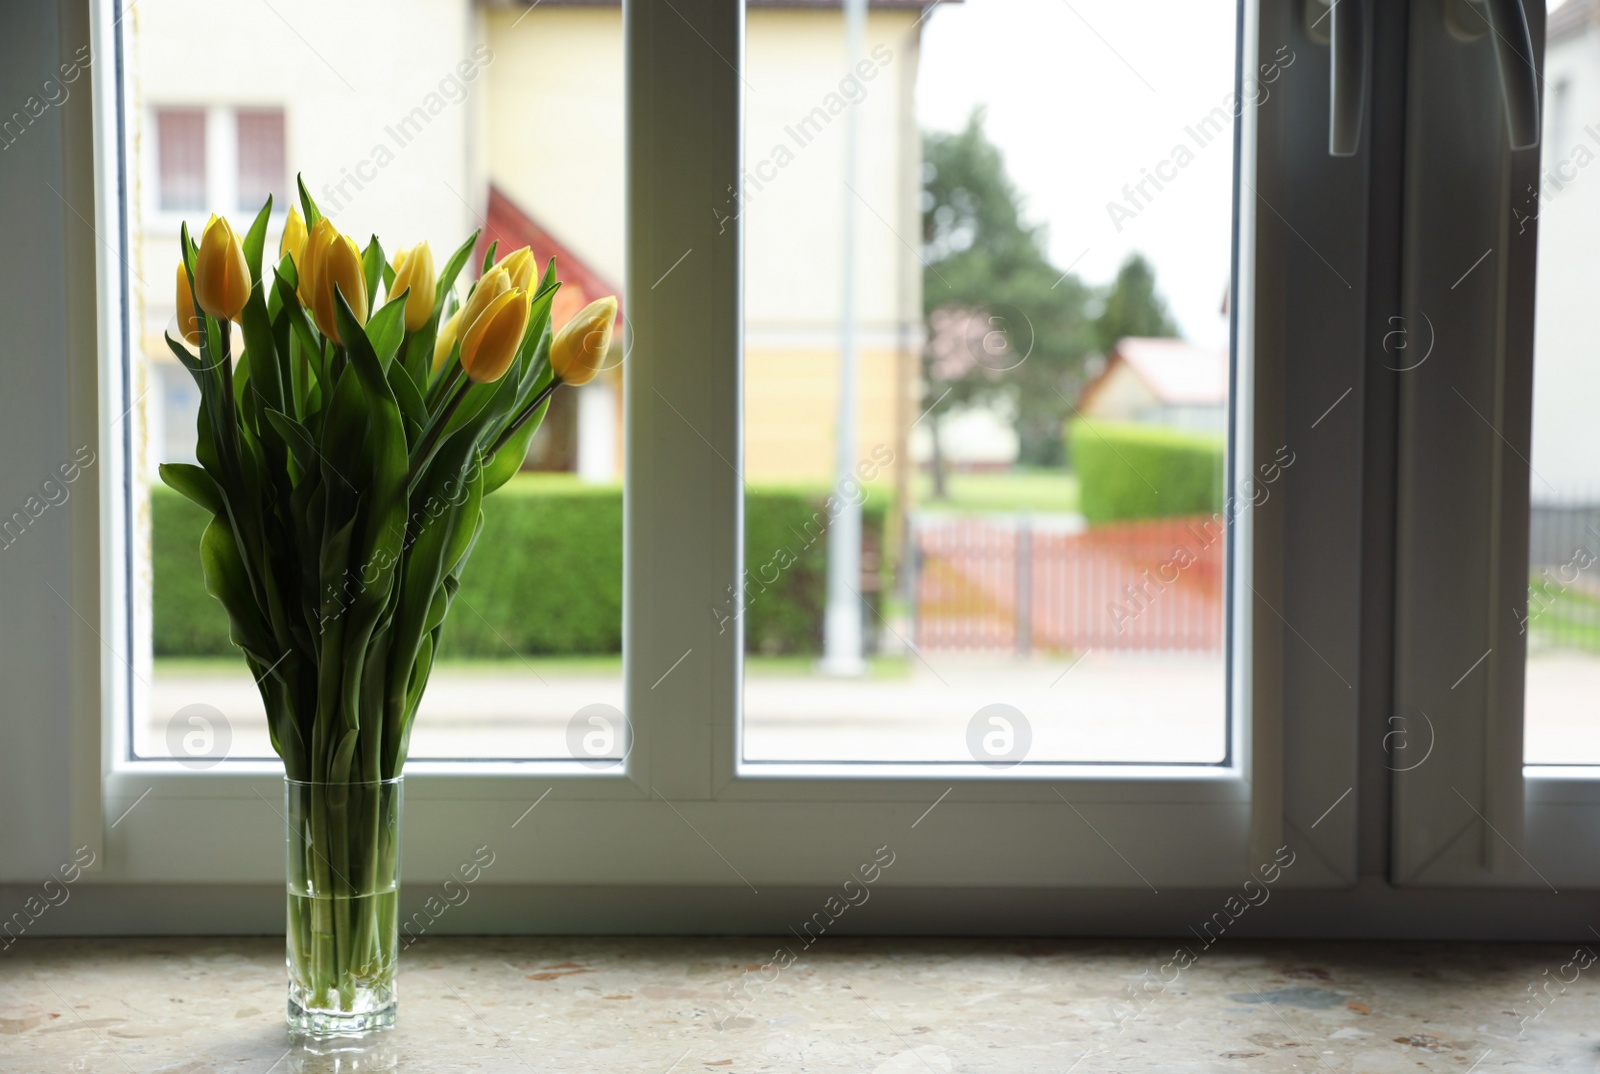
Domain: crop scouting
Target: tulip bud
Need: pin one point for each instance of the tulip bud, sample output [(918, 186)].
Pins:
[(494, 283), (519, 267), (414, 274), (446, 341), (580, 348), (293, 243), (491, 342), (339, 267), (188, 323), (322, 235), (221, 276)]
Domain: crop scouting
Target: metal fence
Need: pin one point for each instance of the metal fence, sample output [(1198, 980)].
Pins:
[(1564, 574), (1050, 583)]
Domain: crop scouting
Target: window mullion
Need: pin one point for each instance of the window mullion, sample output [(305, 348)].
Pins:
[(683, 389)]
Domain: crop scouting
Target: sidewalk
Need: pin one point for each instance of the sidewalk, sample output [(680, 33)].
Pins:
[(1108, 707)]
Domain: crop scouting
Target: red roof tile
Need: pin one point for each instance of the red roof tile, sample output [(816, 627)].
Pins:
[(510, 225)]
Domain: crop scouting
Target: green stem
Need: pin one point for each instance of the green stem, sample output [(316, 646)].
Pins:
[(521, 419), (430, 436)]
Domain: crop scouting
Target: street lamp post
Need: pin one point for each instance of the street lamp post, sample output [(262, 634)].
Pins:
[(841, 625)]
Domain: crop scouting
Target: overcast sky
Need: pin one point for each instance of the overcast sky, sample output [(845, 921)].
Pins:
[(1086, 97)]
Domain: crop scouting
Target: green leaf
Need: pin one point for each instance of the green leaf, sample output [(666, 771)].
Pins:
[(418, 359), (488, 257), (195, 484), (452, 269), (188, 360), (308, 208), (339, 768), (372, 263), (407, 396), (298, 439), (267, 366), (386, 450), (304, 331), (255, 239), (386, 329), (287, 273), (228, 581), (241, 383), (470, 521)]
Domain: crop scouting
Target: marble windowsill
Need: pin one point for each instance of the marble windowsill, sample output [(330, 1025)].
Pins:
[(596, 1005)]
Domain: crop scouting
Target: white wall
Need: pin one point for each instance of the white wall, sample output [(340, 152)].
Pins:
[(1566, 372)]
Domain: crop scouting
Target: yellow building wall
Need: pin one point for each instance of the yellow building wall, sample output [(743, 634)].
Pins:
[(556, 85), (554, 126), (790, 399)]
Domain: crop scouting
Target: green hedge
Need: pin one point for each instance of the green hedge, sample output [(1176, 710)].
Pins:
[(1128, 470), (546, 576)]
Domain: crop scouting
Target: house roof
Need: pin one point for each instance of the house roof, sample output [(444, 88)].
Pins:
[(1176, 372), (1571, 18), (513, 227)]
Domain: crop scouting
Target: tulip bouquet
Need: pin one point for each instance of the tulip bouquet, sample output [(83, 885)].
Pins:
[(344, 456)]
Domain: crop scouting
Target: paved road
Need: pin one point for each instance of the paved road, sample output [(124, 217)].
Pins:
[(1108, 707)]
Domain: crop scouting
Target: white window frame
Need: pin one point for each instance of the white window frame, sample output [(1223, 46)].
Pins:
[(1473, 814), (685, 813)]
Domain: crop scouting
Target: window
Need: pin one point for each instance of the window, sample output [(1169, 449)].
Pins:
[(1392, 550), (1563, 604), (1016, 553), (182, 154), (1495, 677), (533, 655), (219, 158), (262, 171)]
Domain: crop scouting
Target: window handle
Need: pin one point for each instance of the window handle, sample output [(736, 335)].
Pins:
[(1347, 76), (1519, 82)]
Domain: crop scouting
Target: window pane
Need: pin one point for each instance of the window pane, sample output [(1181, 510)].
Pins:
[(1031, 300), (181, 157), (261, 160), (440, 123), (1563, 613)]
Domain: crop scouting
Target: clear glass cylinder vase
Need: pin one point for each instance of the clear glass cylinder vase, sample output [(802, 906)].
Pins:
[(343, 879)]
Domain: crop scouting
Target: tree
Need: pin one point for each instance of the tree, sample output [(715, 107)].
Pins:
[(1003, 323), (1132, 306)]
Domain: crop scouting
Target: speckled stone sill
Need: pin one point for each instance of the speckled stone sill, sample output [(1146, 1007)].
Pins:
[(597, 1005)]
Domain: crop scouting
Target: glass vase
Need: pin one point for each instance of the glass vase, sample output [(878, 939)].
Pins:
[(343, 880)]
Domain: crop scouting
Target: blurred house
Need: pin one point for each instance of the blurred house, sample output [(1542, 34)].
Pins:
[(1566, 206), (1160, 382), (425, 119)]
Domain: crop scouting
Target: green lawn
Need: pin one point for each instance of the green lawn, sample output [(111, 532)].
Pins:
[(1017, 490), (1567, 618), (882, 667)]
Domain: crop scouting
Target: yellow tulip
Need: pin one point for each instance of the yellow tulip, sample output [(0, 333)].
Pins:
[(491, 342), (339, 267), (494, 283), (414, 273), (322, 235), (580, 348), (188, 323), (519, 267), (446, 341), (293, 243), (221, 276)]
